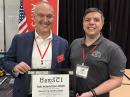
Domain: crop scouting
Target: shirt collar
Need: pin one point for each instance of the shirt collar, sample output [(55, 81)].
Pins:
[(39, 37), (97, 42)]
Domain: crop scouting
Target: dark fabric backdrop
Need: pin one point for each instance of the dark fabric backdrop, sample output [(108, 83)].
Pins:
[(117, 20)]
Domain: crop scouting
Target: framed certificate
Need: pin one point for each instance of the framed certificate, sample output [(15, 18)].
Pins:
[(51, 83)]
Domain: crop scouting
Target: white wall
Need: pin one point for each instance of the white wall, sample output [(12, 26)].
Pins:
[(1, 27), (11, 22)]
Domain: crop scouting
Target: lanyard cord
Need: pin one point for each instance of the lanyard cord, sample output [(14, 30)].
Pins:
[(40, 50), (88, 54)]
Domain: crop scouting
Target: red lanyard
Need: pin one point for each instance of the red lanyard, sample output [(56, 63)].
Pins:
[(40, 50), (87, 55)]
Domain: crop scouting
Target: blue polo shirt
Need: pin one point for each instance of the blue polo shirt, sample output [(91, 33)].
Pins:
[(107, 59)]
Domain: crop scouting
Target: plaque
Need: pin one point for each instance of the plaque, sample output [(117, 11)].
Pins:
[(51, 83)]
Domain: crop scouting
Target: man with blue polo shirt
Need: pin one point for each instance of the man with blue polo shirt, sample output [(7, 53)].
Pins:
[(98, 61)]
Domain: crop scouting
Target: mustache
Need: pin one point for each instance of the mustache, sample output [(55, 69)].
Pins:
[(44, 23)]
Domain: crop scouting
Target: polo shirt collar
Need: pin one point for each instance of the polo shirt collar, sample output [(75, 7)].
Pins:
[(97, 42)]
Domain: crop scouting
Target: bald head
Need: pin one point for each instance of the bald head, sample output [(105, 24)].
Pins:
[(43, 17), (43, 4)]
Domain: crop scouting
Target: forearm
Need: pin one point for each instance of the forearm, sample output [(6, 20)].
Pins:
[(108, 85), (8, 66), (105, 87)]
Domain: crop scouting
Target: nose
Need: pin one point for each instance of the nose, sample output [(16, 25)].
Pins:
[(45, 19), (91, 21)]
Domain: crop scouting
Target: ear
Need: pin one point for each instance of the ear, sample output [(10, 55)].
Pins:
[(33, 15)]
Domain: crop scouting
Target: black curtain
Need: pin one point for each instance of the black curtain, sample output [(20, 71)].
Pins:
[(119, 22), (117, 19)]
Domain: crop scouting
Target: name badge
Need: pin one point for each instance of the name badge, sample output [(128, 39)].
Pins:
[(82, 71)]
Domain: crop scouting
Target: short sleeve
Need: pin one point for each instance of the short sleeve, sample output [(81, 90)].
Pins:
[(117, 62)]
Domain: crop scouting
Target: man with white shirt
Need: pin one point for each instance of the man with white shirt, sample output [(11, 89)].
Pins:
[(34, 50)]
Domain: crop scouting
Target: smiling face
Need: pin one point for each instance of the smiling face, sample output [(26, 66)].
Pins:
[(92, 24), (43, 17)]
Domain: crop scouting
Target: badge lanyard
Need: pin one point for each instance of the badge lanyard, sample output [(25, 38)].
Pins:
[(42, 56), (87, 55)]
